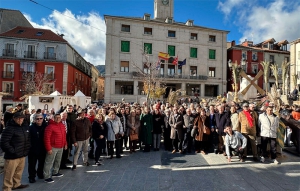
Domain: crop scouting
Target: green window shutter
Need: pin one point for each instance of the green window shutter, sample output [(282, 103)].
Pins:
[(171, 50), (125, 46), (148, 48), (193, 53), (212, 54)]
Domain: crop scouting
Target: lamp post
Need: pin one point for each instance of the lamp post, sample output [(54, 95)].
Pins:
[(235, 68)]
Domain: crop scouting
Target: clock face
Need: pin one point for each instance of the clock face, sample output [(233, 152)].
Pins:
[(165, 2)]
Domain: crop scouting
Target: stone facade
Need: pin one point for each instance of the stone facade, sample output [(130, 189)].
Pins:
[(295, 62), (202, 75), (94, 90)]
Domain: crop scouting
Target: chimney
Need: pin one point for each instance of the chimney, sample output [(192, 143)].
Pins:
[(233, 43), (62, 35)]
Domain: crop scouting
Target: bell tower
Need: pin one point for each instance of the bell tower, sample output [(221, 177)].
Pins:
[(163, 9)]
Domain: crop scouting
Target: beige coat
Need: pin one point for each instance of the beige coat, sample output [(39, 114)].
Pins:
[(235, 122), (245, 127)]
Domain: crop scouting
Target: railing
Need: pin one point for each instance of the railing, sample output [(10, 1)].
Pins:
[(175, 76), (30, 54), (49, 76), (8, 74), (9, 53), (9, 96), (50, 55)]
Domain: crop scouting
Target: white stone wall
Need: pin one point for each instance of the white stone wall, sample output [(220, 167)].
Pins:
[(160, 42), (295, 61)]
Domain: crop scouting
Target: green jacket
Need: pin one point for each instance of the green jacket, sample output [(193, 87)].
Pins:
[(146, 128)]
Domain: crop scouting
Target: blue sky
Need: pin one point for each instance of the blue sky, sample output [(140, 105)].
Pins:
[(254, 19)]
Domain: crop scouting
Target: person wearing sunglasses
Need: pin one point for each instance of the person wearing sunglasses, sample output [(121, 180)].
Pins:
[(37, 152)]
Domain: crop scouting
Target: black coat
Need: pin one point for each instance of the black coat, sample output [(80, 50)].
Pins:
[(37, 139), (15, 140), (221, 121), (158, 123), (98, 129), (7, 117)]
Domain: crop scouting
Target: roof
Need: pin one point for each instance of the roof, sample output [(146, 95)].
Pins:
[(56, 93), (31, 33), (282, 42), (79, 94), (11, 18), (258, 49), (158, 21)]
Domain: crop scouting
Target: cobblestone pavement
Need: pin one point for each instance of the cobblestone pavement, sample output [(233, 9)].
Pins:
[(143, 171)]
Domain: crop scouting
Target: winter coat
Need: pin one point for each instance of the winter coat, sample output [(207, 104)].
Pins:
[(55, 135), (244, 124), (235, 122), (158, 123), (268, 128), (123, 120), (188, 122), (15, 140), (113, 127), (7, 117), (81, 130), (176, 124), (201, 122), (99, 129), (137, 125), (221, 121), (71, 118), (37, 139), (146, 128)]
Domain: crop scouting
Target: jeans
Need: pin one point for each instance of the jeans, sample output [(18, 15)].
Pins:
[(84, 145), (156, 141), (52, 160)]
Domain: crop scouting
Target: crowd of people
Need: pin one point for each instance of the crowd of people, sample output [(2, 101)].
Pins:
[(50, 138)]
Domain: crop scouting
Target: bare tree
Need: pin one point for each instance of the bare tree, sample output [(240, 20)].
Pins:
[(153, 85), (34, 82)]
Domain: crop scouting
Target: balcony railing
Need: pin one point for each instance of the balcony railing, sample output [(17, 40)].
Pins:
[(9, 96), (30, 54), (9, 53), (8, 74), (50, 55), (50, 76), (175, 76)]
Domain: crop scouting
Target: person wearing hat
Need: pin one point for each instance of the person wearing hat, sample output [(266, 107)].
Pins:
[(15, 143), (19, 107), (248, 123), (81, 132)]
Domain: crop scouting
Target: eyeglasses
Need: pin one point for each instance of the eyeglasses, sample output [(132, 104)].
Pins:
[(39, 118)]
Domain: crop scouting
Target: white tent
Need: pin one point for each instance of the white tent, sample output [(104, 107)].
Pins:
[(79, 94), (56, 93)]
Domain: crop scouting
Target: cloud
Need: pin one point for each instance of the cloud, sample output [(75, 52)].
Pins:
[(88, 39), (278, 20), (227, 6)]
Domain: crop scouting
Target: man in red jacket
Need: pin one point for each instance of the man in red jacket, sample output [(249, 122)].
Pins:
[(55, 141)]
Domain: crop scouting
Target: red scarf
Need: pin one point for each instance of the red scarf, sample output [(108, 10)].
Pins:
[(249, 118)]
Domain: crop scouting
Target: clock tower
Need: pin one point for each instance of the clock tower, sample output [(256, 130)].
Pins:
[(163, 9)]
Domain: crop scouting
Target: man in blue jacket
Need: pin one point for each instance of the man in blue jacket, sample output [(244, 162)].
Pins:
[(15, 142)]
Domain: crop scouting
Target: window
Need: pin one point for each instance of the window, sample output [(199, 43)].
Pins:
[(212, 38), (194, 36), (244, 55), (31, 52), (271, 46), (148, 31), (148, 48), (20, 31), (8, 87), (212, 54), (49, 71), (212, 71), (147, 17), (50, 53), (8, 70), (48, 88), (193, 71), (27, 67), (125, 46), (162, 69), (146, 68), (193, 52), (179, 70), (254, 68), (124, 66), (9, 50), (265, 45), (271, 60), (127, 89), (171, 70), (125, 28), (171, 33), (39, 33), (254, 56), (283, 47), (171, 50)]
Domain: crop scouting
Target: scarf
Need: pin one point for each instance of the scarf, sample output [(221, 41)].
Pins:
[(249, 118)]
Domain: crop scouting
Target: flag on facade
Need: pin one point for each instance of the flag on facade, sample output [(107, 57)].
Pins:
[(175, 61), (158, 65), (163, 56), (182, 63)]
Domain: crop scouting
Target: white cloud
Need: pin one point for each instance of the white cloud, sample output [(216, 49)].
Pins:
[(279, 20), (88, 39), (227, 6)]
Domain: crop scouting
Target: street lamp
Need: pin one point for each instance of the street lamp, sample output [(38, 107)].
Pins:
[(236, 69)]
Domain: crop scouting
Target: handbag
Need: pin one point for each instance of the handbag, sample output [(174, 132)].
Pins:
[(133, 136)]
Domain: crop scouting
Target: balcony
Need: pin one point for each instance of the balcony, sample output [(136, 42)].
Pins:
[(30, 54), (8, 75), (9, 53), (9, 96), (174, 76), (50, 76), (50, 55)]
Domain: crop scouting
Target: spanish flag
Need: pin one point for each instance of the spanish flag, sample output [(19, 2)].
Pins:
[(163, 56)]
